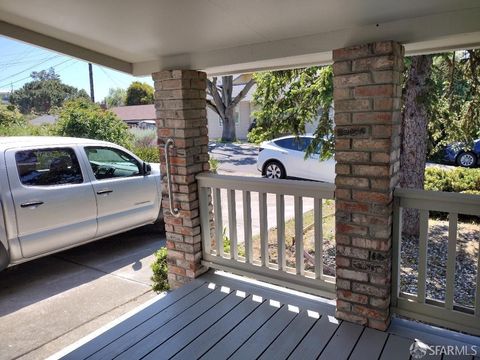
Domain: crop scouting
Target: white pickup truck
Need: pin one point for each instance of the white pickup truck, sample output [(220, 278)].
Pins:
[(58, 192)]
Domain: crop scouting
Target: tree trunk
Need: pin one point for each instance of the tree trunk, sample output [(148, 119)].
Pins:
[(228, 132), (414, 142)]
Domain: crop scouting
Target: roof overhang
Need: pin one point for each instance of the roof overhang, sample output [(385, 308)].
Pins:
[(273, 42)]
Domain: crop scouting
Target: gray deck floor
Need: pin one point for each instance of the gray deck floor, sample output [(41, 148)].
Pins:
[(218, 318)]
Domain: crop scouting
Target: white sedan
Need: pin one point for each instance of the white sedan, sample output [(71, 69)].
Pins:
[(285, 156)]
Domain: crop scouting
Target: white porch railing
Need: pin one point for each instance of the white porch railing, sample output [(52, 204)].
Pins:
[(263, 267), (419, 306)]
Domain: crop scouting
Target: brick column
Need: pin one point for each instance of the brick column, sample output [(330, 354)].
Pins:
[(367, 98), (180, 103)]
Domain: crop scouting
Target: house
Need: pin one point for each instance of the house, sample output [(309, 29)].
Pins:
[(180, 43), (4, 97), (44, 119), (135, 114)]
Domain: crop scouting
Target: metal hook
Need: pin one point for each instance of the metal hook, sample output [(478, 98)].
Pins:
[(170, 143)]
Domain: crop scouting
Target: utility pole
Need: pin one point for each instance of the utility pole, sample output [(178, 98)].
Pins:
[(90, 70)]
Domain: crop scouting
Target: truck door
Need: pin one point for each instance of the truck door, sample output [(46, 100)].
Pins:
[(125, 197), (54, 202)]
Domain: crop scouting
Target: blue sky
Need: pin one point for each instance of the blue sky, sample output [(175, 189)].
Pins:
[(18, 60)]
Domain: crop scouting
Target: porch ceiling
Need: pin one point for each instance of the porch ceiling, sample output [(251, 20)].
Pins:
[(228, 36)]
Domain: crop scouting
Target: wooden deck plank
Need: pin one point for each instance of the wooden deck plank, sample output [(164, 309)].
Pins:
[(195, 328), (290, 337), (396, 348), (262, 338), (316, 339), (165, 332), (210, 337), (138, 333), (370, 345), (342, 342), (230, 343), (114, 333)]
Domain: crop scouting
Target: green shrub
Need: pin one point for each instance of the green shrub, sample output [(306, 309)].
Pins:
[(82, 118), (160, 271), (147, 153), (10, 116), (214, 163), (456, 180)]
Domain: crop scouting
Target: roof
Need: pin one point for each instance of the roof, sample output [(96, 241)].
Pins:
[(228, 36), (135, 112), (7, 142)]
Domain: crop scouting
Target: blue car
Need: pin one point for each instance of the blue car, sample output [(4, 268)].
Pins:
[(458, 154)]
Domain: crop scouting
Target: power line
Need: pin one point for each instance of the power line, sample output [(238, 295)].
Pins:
[(28, 77), (30, 68)]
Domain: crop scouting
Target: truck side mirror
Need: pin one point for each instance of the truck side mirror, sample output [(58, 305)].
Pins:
[(147, 169)]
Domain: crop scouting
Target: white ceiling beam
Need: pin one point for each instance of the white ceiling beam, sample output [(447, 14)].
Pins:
[(421, 35), (48, 42)]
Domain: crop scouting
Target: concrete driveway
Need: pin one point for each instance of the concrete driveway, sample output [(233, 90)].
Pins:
[(235, 159), (49, 303)]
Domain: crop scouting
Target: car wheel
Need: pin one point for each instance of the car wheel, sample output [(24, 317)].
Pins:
[(275, 170), (467, 159)]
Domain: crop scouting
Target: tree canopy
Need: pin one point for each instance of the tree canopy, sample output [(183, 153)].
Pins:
[(10, 116), (139, 93), (44, 93), (287, 100), (116, 97), (82, 118)]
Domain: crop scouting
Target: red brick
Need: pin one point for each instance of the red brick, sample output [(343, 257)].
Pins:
[(372, 118), (342, 67), (371, 197), (352, 52), (352, 156), (351, 317), (386, 62), (343, 284), (342, 94), (353, 105), (350, 296), (342, 118), (370, 313), (374, 91), (366, 289), (353, 182), (379, 324), (342, 261), (352, 206), (342, 169), (371, 170), (343, 194), (343, 305), (351, 229), (351, 275), (342, 144), (381, 157), (371, 144), (353, 252), (351, 80), (382, 131)]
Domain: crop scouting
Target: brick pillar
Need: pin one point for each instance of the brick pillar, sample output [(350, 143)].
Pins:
[(367, 98), (180, 103)]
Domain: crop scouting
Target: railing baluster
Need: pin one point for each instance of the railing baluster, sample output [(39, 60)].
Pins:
[(422, 256), (262, 203), (205, 220), (396, 249), (451, 257), (318, 221), (232, 224), (281, 232), (299, 235), (247, 226), (477, 290), (217, 209)]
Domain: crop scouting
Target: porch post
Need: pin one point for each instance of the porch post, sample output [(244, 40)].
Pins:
[(180, 103), (367, 98)]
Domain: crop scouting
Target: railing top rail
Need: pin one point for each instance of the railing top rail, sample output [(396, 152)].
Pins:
[(439, 201), (273, 186)]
